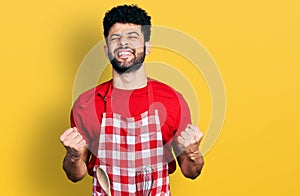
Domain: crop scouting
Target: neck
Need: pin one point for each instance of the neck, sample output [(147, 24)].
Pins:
[(130, 81)]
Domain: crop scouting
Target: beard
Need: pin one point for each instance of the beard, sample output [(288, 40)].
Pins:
[(128, 66)]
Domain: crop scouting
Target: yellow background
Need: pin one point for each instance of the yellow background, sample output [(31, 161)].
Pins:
[(255, 43)]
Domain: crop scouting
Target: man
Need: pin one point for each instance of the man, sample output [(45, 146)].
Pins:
[(129, 125)]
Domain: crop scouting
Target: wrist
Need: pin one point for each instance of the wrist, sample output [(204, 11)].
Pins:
[(72, 158)]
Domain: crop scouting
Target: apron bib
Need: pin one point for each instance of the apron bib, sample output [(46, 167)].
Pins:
[(131, 152)]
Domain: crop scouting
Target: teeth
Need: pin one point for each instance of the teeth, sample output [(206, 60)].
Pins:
[(124, 53)]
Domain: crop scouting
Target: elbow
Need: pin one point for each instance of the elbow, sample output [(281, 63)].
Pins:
[(193, 173), (74, 180), (193, 177), (73, 176)]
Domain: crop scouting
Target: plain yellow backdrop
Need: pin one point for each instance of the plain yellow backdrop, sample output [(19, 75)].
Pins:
[(255, 43)]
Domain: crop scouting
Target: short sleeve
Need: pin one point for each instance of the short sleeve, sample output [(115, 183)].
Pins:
[(182, 120), (77, 121), (183, 115), (86, 117)]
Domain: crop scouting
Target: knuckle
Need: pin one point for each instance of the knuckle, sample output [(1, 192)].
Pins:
[(66, 143), (73, 146)]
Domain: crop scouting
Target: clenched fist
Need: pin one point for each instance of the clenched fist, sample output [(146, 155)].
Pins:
[(74, 143), (189, 141)]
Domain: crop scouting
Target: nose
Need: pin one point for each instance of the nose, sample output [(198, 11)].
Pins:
[(123, 41)]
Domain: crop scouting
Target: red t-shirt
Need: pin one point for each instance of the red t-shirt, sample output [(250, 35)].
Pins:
[(173, 113)]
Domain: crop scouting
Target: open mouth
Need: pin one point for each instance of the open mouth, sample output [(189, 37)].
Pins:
[(124, 53)]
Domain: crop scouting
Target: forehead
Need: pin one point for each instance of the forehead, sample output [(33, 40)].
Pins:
[(119, 28)]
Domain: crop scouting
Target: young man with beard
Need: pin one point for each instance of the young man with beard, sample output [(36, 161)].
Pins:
[(129, 125)]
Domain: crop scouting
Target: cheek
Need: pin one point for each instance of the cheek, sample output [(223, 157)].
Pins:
[(112, 47), (137, 43), (139, 47)]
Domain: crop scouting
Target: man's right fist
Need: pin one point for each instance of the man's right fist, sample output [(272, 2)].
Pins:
[(74, 143)]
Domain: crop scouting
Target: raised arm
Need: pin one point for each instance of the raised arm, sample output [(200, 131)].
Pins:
[(186, 147), (77, 154)]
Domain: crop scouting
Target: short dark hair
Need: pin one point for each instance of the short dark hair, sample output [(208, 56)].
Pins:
[(128, 14)]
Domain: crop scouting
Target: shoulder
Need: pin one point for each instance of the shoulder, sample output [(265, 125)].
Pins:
[(165, 91), (89, 97), (173, 102)]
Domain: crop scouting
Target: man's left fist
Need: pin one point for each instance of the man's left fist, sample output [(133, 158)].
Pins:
[(189, 141)]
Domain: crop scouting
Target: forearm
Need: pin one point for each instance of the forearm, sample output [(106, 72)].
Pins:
[(187, 147), (191, 168), (75, 169)]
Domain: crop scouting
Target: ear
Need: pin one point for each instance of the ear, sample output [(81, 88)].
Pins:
[(106, 51), (148, 47)]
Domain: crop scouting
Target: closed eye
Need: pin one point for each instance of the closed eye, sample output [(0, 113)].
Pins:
[(133, 37), (115, 37)]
